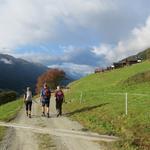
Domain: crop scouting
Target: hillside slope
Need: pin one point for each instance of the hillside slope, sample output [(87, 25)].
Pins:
[(98, 102), (108, 80)]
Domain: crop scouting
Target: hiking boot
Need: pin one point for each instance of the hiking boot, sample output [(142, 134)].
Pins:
[(43, 114), (48, 115), (29, 115)]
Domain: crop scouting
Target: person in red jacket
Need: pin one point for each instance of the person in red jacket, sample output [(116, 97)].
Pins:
[(59, 95)]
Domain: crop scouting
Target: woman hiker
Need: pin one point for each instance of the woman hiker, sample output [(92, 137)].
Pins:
[(28, 101), (59, 100)]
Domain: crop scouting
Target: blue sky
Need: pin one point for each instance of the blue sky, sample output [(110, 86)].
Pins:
[(75, 35)]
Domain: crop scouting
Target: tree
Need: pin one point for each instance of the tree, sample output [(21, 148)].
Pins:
[(52, 77)]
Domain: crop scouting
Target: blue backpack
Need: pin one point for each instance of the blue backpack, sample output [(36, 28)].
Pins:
[(46, 93)]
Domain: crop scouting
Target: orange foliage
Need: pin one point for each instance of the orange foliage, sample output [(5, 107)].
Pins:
[(52, 77)]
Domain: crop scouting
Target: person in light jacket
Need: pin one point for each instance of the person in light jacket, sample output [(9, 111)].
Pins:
[(28, 101)]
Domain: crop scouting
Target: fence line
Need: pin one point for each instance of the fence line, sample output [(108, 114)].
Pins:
[(81, 97), (126, 103), (111, 93), (114, 93)]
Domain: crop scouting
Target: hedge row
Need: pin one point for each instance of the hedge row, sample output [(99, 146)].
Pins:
[(8, 96)]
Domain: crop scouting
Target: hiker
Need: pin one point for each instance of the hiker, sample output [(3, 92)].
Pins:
[(59, 100), (28, 101), (45, 99)]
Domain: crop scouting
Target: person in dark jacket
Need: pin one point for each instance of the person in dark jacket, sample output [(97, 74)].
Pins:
[(45, 99), (59, 95)]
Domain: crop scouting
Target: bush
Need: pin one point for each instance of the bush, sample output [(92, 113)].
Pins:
[(8, 96), (52, 77)]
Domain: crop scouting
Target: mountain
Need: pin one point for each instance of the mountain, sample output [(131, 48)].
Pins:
[(75, 75), (68, 79), (16, 74)]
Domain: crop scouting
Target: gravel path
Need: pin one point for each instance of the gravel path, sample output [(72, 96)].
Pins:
[(48, 133)]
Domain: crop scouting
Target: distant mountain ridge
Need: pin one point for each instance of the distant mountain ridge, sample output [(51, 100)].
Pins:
[(16, 73)]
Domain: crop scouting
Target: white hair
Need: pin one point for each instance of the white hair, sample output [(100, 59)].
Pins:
[(58, 87)]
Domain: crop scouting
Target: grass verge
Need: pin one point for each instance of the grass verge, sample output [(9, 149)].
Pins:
[(8, 112)]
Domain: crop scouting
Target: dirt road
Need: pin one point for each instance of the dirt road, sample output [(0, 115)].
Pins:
[(66, 134)]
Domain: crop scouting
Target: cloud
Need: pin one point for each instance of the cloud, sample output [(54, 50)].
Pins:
[(24, 22), (91, 32), (34, 21), (95, 56), (6, 61), (70, 54), (74, 70), (70, 61), (136, 42)]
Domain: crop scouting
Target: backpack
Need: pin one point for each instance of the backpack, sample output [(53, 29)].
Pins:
[(46, 93), (59, 95)]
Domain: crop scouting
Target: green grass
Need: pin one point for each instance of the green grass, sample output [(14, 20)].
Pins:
[(8, 112), (103, 110)]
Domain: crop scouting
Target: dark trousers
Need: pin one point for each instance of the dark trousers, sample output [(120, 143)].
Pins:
[(59, 106), (28, 105)]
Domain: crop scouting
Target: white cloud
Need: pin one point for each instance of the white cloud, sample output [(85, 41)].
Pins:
[(70, 54), (79, 23), (75, 70), (101, 55), (25, 21), (6, 61), (38, 57), (105, 51), (33, 21), (138, 40), (69, 61)]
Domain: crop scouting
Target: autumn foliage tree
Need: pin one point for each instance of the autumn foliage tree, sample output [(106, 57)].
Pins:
[(52, 77)]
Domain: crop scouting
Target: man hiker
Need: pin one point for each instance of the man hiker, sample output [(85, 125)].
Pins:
[(59, 100), (28, 101), (45, 99)]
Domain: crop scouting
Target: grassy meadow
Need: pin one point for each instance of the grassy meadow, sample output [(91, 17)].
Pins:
[(98, 102), (7, 112)]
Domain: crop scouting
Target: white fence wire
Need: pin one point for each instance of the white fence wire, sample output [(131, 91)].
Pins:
[(82, 99)]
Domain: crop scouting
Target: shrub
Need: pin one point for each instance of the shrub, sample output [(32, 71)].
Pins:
[(8, 96)]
